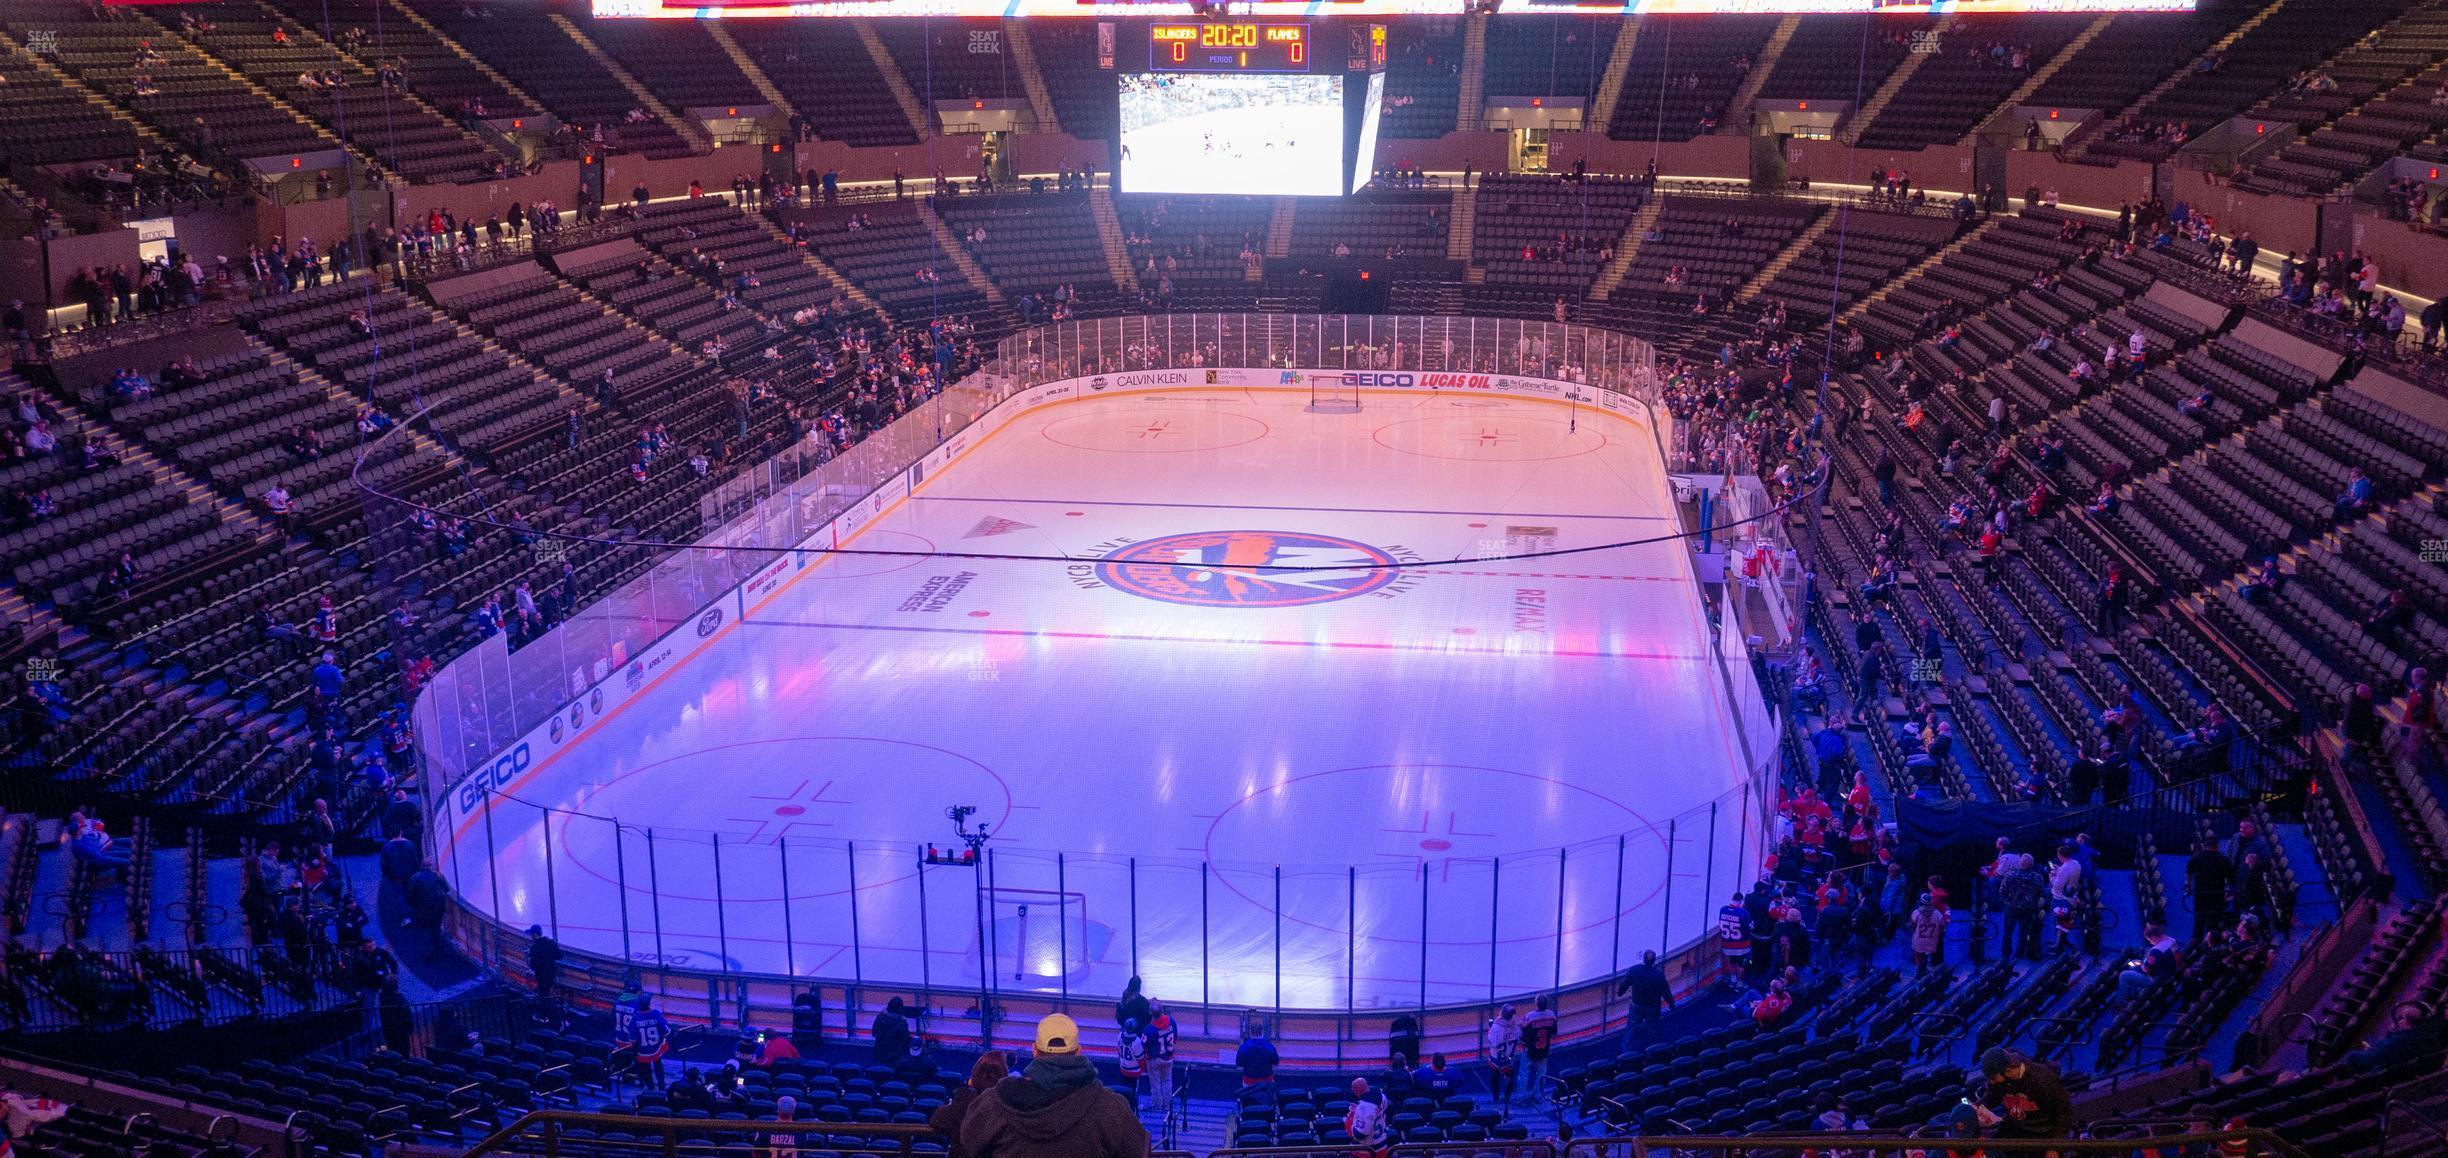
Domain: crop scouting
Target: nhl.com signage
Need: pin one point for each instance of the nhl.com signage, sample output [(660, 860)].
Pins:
[(464, 799)]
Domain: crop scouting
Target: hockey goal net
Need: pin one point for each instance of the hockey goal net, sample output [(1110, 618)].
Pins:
[(1333, 394), (1038, 934)]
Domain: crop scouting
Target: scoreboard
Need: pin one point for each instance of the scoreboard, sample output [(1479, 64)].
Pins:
[(1227, 46)]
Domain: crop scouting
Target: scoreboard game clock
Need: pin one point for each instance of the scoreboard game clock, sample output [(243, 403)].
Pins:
[(1227, 46)]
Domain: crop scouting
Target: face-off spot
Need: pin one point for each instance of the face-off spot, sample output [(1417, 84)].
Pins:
[(1154, 430), (758, 793), (1445, 821), (1517, 436)]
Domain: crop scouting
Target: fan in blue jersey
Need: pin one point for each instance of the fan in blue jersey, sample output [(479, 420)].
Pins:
[(638, 1025)]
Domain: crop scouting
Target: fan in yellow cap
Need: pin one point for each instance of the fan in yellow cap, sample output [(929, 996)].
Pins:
[(1057, 1036), (1054, 1108)]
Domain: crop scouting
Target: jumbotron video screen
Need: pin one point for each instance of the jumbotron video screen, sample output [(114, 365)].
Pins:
[(1273, 135)]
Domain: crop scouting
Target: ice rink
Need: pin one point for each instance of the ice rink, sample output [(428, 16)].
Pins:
[(1361, 783)]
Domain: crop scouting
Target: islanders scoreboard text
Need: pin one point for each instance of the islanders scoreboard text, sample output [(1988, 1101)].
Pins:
[(1227, 46)]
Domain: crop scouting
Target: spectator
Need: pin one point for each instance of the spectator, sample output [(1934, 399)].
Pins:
[(891, 1035), (2357, 495), (2023, 1098), (1503, 1038), (1366, 1121), (2248, 842), (1056, 1109), (1403, 1037), (2413, 1035), (2162, 958), (2112, 598), (2253, 893), (1257, 1057), (2022, 894), (92, 846), (767, 1049), (690, 1093), (320, 830), (641, 1027), (1835, 927), (1538, 1031), (807, 1016), (1832, 1114), (402, 817), (1770, 1011), (1830, 748), (328, 680), (427, 897), (1134, 1005), (1929, 926), (2266, 581), (544, 965), (2209, 738), (1163, 1041), (400, 858), (1734, 950), (2066, 876), (284, 510), (2209, 875), (398, 1019), (1130, 1054), (2391, 616), (2360, 723), (984, 1074), (2103, 502), (784, 1143)]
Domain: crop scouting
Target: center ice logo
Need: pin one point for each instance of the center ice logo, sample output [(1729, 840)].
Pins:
[(1226, 569)]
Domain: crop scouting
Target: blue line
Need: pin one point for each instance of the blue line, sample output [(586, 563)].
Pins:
[(1311, 510)]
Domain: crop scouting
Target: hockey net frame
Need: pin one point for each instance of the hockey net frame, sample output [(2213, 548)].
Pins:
[(1330, 394), (1037, 935)]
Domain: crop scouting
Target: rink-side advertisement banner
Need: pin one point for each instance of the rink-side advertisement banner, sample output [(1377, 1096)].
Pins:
[(465, 799)]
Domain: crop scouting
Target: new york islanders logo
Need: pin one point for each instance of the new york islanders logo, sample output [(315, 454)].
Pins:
[(1235, 569)]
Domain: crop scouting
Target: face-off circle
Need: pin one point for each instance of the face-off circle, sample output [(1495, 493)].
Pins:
[(1227, 569)]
